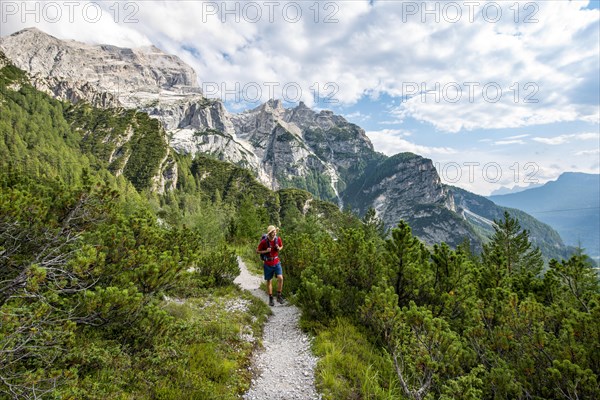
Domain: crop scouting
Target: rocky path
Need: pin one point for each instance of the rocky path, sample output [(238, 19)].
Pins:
[(284, 368)]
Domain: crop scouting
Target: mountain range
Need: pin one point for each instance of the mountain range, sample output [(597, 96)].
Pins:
[(298, 147), (571, 205), (514, 189)]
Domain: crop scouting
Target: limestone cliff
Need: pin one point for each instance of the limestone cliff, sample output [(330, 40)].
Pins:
[(407, 187), (104, 75), (296, 147)]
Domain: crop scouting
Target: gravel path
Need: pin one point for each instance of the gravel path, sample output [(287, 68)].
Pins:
[(284, 368)]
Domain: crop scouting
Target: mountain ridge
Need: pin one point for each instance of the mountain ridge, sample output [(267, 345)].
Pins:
[(514, 189), (298, 147), (571, 204), (77, 71)]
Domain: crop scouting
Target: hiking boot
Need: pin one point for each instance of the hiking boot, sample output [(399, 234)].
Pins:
[(280, 298), (271, 302)]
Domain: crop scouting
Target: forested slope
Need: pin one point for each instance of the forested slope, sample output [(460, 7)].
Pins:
[(109, 289), (99, 298)]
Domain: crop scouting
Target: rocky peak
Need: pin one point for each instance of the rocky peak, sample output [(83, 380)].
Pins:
[(272, 111), (77, 71), (32, 33), (273, 104), (390, 179), (296, 147)]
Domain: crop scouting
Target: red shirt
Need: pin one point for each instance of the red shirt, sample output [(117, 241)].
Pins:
[(274, 255)]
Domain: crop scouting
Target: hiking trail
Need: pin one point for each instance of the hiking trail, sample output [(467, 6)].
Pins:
[(284, 368)]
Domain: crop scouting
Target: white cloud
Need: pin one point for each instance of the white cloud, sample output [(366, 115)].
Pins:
[(391, 141), (505, 142), (483, 171), (519, 65), (357, 116), (391, 122), (392, 132), (515, 139), (554, 141), (588, 152), (382, 52), (518, 136), (85, 21), (358, 48), (562, 139)]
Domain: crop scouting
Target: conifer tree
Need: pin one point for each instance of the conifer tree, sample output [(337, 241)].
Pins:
[(510, 259), (373, 224), (574, 281), (405, 256)]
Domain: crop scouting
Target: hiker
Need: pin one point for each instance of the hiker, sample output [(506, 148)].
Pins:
[(269, 248)]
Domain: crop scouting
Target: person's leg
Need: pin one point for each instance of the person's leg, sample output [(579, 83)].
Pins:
[(279, 273), (270, 292), (279, 288), (268, 272)]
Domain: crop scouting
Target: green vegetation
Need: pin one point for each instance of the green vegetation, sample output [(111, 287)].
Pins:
[(351, 366), (542, 235), (125, 141), (396, 320), (315, 183), (109, 290)]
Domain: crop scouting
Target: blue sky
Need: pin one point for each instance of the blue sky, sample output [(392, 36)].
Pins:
[(496, 93)]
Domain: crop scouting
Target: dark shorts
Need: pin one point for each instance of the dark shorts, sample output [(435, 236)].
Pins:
[(272, 271)]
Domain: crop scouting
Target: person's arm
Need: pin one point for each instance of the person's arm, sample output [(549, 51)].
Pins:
[(279, 244), (261, 248)]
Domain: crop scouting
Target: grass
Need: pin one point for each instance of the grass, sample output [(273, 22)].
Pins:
[(225, 327), (351, 367), (251, 259), (204, 353)]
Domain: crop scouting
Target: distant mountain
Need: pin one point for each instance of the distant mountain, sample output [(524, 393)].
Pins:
[(298, 147), (571, 205), (481, 212), (514, 189)]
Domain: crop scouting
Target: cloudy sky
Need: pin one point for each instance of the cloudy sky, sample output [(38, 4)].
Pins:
[(496, 93)]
